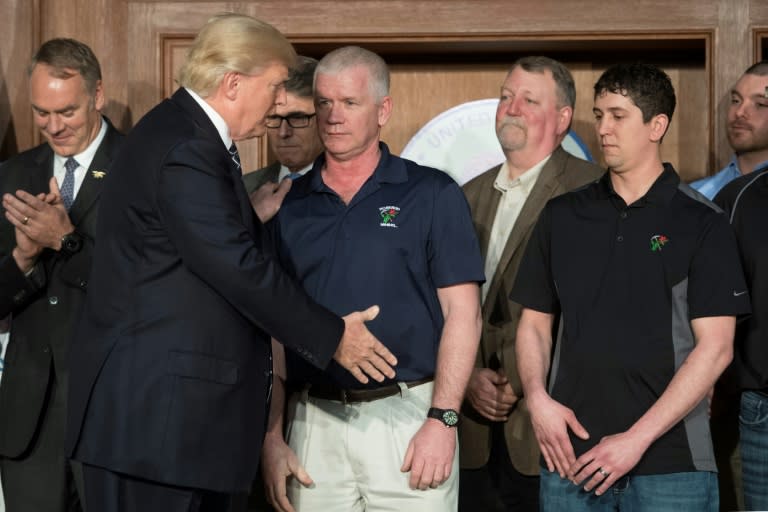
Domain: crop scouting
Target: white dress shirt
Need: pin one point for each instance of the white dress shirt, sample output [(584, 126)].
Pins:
[(83, 159), (514, 193)]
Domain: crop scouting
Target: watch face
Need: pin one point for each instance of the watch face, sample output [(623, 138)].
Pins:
[(450, 418)]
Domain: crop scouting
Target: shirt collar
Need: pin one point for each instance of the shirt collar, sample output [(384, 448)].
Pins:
[(526, 180), (215, 117), (734, 164), (85, 157), (662, 190), (388, 170), (285, 172)]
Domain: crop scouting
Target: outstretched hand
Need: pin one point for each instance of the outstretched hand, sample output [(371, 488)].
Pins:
[(360, 352)]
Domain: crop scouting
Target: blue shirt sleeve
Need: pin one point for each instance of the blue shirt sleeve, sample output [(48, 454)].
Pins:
[(452, 249)]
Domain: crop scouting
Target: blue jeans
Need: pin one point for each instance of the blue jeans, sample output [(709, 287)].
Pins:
[(753, 429), (695, 491)]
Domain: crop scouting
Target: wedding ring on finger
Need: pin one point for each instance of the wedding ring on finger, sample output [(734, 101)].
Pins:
[(25, 220), (603, 472)]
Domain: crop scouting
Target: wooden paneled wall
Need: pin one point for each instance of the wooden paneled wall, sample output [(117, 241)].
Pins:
[(139, 42)]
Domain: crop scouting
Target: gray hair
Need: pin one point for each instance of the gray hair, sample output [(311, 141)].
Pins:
[(353, 56)]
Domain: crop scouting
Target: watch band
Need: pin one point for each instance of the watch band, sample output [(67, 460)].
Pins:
[(449, 417)]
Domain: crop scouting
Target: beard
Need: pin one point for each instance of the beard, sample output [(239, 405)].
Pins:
[(747, 140)]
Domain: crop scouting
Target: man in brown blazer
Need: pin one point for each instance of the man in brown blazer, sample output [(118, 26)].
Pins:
[(499, 452)]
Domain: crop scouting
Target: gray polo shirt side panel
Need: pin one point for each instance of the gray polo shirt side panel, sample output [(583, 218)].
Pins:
[(556, 356), (697, 421)]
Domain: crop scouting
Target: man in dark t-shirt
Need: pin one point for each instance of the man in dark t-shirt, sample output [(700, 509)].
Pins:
[(644, 275)]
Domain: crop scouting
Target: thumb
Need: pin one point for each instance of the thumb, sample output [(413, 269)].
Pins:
[(283, 188), (577, 428), (54, 194), (499, 378), (302, 476), (370, 313), (54, 186)]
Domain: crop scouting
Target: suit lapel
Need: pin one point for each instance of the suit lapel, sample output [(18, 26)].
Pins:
[(545, 188), (247, 213), (36, 179), (183, 99), (94, 176), (485, 211)]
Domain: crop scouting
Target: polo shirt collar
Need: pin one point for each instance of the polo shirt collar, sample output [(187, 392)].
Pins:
[(662, 190), (388, 170)]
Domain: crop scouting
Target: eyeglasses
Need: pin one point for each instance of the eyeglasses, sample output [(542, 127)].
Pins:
[(293, 120)]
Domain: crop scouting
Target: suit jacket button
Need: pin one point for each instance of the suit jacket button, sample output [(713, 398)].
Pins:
[(46, 350), (53, 300)]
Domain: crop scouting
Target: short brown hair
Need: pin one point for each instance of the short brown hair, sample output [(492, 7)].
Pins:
[(66, 55)]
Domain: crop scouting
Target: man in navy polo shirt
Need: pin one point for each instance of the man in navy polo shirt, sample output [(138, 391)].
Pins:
[(644, 275), (366, 227)]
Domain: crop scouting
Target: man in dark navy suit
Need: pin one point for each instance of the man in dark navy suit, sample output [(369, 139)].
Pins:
[(46, 248), (171, 360)]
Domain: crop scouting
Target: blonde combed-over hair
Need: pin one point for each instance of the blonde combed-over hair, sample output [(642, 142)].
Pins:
[(232, 42)]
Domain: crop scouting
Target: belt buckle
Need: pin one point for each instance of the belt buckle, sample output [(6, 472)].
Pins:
[(343, 396)]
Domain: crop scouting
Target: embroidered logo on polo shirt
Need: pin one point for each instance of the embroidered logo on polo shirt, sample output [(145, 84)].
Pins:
[(388, 214), (658, 241)]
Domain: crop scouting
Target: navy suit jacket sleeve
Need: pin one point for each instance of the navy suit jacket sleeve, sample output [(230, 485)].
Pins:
[(204, 220)]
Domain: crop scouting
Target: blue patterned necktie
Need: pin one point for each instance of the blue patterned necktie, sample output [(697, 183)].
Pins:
[(235, 156), (68, 185)]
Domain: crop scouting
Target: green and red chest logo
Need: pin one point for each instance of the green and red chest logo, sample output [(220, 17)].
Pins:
[(388, 215), (657, 242)]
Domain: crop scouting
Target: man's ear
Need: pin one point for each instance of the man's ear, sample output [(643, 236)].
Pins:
[(98, 96), (564, 116), (385, 110), (659, 124), (230, 84)]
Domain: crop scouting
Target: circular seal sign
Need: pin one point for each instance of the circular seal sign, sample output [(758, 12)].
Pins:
[(462, 141)]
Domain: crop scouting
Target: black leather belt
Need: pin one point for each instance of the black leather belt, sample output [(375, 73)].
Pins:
[(330, 392)]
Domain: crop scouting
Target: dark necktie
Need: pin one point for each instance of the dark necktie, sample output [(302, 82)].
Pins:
[(68, 185), (235, 156)]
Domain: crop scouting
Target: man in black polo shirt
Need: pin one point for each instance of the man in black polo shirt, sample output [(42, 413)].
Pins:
[(644, 275), (366, 227), (746, 201)]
